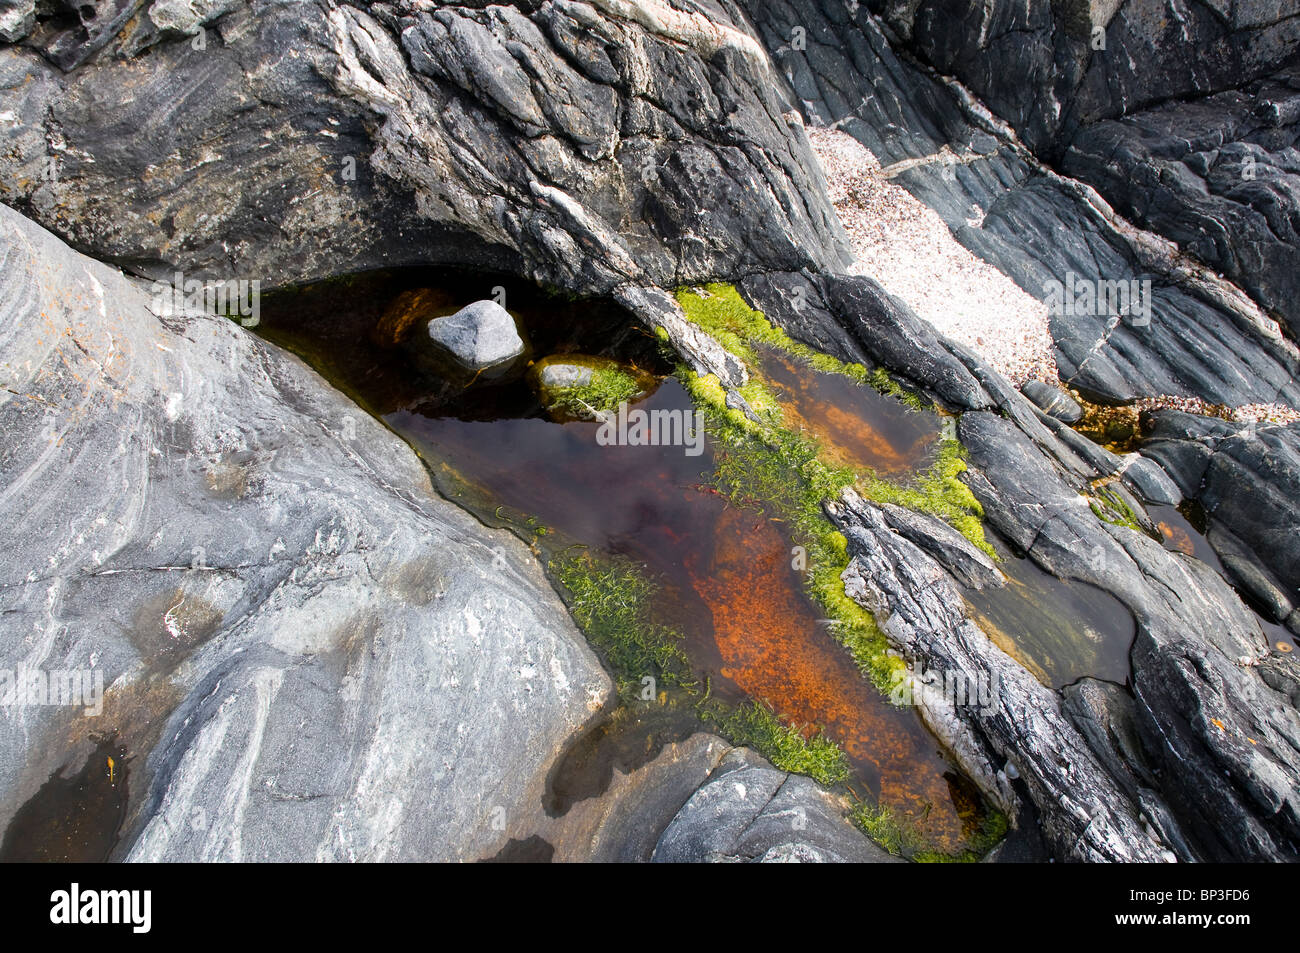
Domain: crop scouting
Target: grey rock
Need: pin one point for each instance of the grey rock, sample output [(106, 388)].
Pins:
[(875, 328), (748, 811), (504, 137), (479, 336), (1083, 812), (1218, 175), (1153, 52), (1195, 653), (558, 374), (303, 647), (1204, 339), (17, 17), (1247, 479), (970, 566), (1105, 713), (1053, 401), (1151, 481)]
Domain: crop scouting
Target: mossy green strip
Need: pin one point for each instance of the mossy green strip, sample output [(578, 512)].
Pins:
[(1109, 507), (902, 839), (723, 313), (609, 599), (757, 726)]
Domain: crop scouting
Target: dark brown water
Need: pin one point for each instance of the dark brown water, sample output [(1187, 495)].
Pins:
[(728, 585), (1058, 630), (857, 426), (77, 814)]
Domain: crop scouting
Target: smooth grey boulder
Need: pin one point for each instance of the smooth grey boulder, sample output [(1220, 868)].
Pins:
[(306, 653), (1053, 400), (748, 811), (479, 336)]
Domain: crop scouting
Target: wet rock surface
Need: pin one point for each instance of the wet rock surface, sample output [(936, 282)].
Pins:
[(507, 136), (1219, 175), (1198, 338), (1247, 479), (1054, 401)]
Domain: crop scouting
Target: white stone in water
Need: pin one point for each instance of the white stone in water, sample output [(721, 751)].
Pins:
[(558, 375), (479, 335)]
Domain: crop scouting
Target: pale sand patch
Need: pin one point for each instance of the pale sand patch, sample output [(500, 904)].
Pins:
[(904, 245), (1246, 413)]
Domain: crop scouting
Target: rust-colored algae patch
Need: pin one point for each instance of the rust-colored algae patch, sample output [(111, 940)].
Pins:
[(855, 426), (772, 649)]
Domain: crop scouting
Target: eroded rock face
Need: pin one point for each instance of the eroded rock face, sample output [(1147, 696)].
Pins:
[(17, 17), (586, 145), (305, 652), (1220, 176), (1157, 105), (1049, 68), (1247, 478)]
